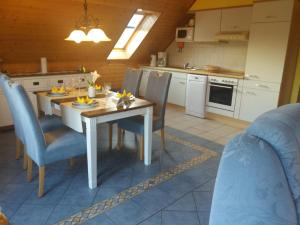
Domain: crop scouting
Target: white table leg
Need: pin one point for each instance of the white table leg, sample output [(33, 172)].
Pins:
[(148, 135), (91, 141)]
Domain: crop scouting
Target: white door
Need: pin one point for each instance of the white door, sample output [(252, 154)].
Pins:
[(207, 25), (267, 51), (177, 91), (236, 19), (5, 115), (256, 102)]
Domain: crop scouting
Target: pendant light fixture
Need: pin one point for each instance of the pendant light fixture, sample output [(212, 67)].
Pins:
[(87, 29)]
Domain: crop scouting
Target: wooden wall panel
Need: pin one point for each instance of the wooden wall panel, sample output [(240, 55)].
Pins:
[(31, 29)]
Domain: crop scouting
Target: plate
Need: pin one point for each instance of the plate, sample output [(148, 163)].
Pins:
[(57, 94), (84, 106)]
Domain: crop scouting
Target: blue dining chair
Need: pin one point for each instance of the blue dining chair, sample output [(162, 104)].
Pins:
[(48, 123), (157, 92), (43, 148), (131, 83)]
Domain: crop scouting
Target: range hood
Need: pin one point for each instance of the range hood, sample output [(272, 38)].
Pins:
[(232, 36)]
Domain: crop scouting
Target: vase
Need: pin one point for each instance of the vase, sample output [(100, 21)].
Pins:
[(92, 92)]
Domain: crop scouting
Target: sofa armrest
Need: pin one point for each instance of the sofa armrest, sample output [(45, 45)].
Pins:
[(251, 187)]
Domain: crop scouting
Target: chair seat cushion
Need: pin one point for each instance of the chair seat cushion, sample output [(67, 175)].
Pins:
[(135, 124), (63, 144), (50, 123)]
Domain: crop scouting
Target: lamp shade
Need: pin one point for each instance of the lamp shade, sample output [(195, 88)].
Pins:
[(77, 36), (96, 35)]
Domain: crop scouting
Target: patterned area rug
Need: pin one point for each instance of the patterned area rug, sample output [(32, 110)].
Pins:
[(178, 182)]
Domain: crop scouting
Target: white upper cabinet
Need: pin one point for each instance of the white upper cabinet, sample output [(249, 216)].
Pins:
[(267, 51), (236, 19), (273, 11), (207, 25)]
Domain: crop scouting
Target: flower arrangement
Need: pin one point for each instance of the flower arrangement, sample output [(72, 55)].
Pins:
[(91, 80), (124, 100), (84, 100)]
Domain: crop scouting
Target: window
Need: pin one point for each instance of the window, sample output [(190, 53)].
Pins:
[(134, 33)]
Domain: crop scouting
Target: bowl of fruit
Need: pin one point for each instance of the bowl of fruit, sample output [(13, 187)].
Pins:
[(57, 91), (84, 103)]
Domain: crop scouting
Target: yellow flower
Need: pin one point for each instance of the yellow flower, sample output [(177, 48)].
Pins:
[(84, 100), (98, 87), (124, 94)]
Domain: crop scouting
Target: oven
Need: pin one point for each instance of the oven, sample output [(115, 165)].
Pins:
[(221, 93)]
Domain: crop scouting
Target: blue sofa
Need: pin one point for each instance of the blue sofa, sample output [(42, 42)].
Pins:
[(258, 180)]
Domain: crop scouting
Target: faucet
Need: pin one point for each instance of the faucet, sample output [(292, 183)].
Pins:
[(185, 66)]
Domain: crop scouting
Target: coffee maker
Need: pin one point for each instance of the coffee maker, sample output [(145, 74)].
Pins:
[(162, 59)]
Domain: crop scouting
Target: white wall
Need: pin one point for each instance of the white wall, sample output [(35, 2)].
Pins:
[(226, 55)]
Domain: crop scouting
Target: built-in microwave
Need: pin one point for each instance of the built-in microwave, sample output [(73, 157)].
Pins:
[(184, 34)]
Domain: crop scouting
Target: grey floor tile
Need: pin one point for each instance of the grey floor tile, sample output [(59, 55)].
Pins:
[(179, 218), (154, 199), (31, 214), (203, 200), (203, 217), (128, 213), (100, 220), (186, 203), (153, 220), (60, 212)]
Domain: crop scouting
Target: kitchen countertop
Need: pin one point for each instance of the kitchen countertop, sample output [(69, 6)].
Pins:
[(220, 73), (22, 75)]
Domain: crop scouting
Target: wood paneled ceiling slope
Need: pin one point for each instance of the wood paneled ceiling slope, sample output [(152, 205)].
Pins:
[(31, 29)]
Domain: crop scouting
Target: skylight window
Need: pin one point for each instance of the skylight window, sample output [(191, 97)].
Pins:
[(134, 33)]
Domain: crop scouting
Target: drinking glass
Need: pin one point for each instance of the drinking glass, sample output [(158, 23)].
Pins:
[(107, 88)]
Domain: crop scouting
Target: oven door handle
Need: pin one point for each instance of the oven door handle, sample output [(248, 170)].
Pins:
[(214, 85)]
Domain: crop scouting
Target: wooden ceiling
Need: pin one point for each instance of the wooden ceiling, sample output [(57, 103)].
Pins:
[(31, 29)]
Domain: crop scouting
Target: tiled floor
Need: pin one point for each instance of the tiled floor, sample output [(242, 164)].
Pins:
[(175, 189)]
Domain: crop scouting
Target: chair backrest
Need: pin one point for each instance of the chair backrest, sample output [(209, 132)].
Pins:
[(4, 84), (34, 139), (157, 92), (132, 81)]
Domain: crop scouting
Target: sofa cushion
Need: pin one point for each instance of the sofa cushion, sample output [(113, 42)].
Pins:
[(281, 129), (251, 187)]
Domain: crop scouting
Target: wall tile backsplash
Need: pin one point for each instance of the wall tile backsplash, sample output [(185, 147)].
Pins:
[(226, 55)]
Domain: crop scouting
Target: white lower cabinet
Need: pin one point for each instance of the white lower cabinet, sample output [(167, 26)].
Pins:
[(5, 116), (177, 90), (255, 102), (32, 84)]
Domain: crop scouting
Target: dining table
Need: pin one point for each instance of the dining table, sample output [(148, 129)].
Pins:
[(104, 111)]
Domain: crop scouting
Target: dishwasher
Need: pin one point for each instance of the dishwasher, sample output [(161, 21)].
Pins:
[(195, 95)]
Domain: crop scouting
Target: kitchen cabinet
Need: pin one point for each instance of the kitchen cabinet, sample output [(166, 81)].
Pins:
[(207, 25), (257, 98), (256, 102), (272, 11), (177, 90), (236, 19), (32, 84), (5, 116), (267, 51)]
